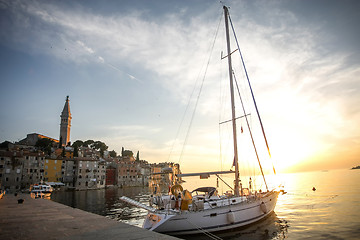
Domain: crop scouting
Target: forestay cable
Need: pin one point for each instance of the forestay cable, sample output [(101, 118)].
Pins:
[(252, 94)]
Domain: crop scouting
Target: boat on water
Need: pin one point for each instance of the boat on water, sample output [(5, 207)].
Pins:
[(203, 210), (41, 191)]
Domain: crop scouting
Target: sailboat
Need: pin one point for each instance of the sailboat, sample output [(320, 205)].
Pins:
[(204, 211)]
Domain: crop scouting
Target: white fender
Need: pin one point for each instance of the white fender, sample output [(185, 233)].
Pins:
[(230, 217), (263, 207)]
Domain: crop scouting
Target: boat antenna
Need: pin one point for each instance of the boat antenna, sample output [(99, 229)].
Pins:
[(237, 174), (252, 94)]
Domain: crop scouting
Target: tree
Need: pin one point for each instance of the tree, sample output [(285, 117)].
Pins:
[(77, 144), (128, 153), (88, 143), (76, 151), (44, 144), (122, 151), (63, 152), (100, 146), (137, 157), (112, 153), (60, 142)]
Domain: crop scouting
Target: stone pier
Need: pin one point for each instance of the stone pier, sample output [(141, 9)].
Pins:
[(45, 219)]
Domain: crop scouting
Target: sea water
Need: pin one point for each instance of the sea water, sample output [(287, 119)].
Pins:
[(332, 211)]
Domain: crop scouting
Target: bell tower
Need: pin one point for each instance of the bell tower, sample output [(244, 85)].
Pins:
[(65, 123)]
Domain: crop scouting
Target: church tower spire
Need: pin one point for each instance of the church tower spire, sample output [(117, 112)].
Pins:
[(65, 123)]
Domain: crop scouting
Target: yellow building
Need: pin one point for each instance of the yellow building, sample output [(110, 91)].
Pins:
[(52, 170)]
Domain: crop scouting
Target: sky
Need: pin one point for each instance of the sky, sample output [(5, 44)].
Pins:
[(133, 70)]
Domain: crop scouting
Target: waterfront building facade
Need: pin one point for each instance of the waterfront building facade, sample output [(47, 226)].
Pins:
[(33, 168), (90, 174), (68, 172), (19, 169), (111, 179), (10, 170), (53, 170)]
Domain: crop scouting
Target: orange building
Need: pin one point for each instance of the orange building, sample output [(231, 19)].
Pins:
[(52, 170)]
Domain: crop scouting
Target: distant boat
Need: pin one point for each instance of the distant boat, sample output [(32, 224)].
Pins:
[(358, 167), (203, 210), (40, 191)]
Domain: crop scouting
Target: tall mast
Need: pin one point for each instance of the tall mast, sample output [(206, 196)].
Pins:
[(237, 177)]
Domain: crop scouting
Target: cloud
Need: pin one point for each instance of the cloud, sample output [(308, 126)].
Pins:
[(294, 76), (87, 49)]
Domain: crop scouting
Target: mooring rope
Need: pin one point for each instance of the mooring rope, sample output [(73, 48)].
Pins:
[(207, 233)]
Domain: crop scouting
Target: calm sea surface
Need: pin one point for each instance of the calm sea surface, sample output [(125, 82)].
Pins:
[(330, 212)]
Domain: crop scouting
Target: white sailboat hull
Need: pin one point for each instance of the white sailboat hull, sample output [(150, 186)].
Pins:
[(224, 217)]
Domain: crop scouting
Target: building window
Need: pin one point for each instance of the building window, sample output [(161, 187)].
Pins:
[(7, 170), (47, 161), (55, 161), (18, 170)]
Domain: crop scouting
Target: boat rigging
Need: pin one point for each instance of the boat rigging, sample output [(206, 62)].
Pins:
[(203, 210)]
